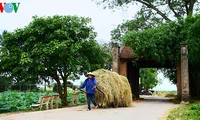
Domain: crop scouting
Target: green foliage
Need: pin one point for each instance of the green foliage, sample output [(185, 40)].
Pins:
[(40, 48), (177, 8), (151, 14), (17, 101), (170, 73), (4, 83), (55, 47), (11, 101), (139, 23), (192, 29), (107, 47), (188, 112), (81, 96), (162, 44), (55, 88), (148, 78), (159, 44)]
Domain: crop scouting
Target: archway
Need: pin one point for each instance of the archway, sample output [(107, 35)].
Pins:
[(123, 64)]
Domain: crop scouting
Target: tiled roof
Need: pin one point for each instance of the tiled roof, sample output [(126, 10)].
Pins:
[(126, 52)]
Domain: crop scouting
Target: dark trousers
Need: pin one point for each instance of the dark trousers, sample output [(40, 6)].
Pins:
[(91, 97)]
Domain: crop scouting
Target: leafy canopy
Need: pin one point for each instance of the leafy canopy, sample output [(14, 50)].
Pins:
[(55, 47), (157, 44), (152, 13), (163, 43), (49, 44), (148, 78), (163, 8)]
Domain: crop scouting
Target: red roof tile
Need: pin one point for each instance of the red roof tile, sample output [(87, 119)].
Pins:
[(126, 52)]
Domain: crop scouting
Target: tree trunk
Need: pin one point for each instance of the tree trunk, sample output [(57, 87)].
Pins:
[(63, 95), (191, 7), (63, 98)]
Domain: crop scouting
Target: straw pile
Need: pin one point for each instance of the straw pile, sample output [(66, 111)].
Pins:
[(115, 90)]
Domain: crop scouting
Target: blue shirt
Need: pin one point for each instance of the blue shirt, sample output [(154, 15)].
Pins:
[(89, 83)]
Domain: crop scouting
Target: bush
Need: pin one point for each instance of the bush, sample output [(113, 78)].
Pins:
[(12, 101), (81, 96)]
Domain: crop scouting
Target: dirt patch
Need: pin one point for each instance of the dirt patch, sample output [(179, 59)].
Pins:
[(6, 114)]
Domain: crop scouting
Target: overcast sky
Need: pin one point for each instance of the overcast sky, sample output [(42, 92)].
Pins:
[(103, 20)]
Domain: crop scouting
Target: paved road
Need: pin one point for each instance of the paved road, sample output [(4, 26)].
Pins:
[(147, 109)]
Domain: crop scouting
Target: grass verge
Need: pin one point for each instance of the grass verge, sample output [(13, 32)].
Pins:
[(185, 112)]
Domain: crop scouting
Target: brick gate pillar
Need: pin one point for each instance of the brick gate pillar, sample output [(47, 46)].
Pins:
[(123, 68), (184, 73), (115, 57)]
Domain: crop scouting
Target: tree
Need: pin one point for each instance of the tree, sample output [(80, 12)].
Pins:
[(4, 83), (108, 60), (192, 29), (152, 14), (163, 8), (58, 47), (139, 23), (163, 44), (148, 78), (159, 44)]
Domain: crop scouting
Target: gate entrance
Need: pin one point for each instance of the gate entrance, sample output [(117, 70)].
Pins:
[(124, 64)]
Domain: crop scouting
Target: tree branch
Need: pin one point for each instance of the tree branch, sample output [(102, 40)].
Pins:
[(55, 76), (191, 6), (64, 78), (175, 13), (186, 6), (61, 74), (149, 5)]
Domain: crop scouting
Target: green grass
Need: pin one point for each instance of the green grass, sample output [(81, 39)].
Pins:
[(186, 112)]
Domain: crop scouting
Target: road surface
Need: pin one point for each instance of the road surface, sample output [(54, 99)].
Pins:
[(148, 109)]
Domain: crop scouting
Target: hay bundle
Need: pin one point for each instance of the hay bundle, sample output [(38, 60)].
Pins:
[(114, 89)]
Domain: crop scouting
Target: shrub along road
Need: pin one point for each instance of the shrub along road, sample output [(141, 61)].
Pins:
[(150, 108)]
